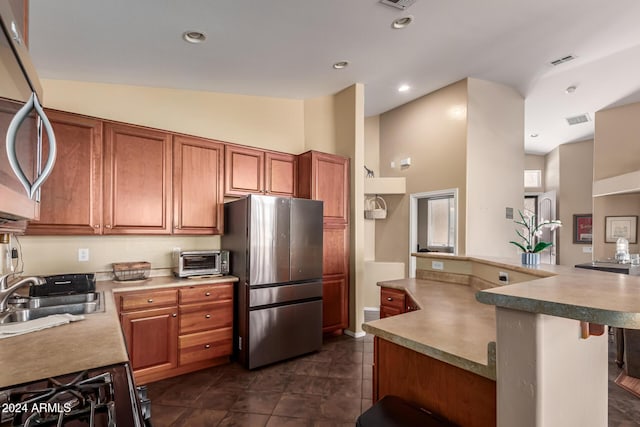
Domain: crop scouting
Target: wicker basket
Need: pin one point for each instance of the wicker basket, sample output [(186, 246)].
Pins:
[(377, 208), (124, 271)]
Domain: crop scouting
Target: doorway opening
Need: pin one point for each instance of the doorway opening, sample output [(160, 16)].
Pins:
[(433, 223)]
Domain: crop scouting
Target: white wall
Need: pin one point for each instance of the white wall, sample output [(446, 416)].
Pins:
[(495, 164)]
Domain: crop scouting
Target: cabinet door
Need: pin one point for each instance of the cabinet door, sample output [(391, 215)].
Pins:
[(137, 180), (325, 177), (335, 249), (71, 199), (152, 339), (281, 172), (335, 274), (197, 186), (335, 314), (244, 171)]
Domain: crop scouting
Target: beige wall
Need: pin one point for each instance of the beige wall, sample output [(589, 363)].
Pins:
[(59, 254), (535, 162), (569, 172), (574, 197), (495, 161), (432, 131), (273, 123), (372, 161), (616, 151), (320, 124)]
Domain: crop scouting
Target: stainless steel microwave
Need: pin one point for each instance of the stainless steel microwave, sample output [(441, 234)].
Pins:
[(22, 121), (200, 263)]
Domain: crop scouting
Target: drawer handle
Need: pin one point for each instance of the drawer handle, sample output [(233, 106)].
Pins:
[(150, 300), (175, 315), (207, 294), (207, 316), (207, 346), (389, 299)]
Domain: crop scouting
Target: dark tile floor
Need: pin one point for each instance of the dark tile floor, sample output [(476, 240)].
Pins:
[(328, 388)]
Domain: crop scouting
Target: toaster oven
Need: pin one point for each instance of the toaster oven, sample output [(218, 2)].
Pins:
[(200, 263)]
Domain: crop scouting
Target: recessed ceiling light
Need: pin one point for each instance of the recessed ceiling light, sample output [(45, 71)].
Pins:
[(534, 135), (402, 22), (403, 88), (340, 65), (570, 89), (194, 36)]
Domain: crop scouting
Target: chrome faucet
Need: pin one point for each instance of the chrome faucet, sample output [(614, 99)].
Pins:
[(6, 289)]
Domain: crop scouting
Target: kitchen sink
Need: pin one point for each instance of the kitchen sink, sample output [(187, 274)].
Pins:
[(23, 309)]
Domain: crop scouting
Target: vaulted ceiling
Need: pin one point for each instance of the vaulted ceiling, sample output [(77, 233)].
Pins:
[(286, 48)]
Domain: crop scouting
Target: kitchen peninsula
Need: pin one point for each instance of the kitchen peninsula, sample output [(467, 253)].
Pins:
[(448, 355)]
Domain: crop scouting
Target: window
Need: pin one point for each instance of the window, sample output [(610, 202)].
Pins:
[(436, 224)]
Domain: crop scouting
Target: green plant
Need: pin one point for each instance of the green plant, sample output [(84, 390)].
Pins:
[(531, 231)]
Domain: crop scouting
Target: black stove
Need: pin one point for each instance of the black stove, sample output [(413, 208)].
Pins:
[(102, 398)]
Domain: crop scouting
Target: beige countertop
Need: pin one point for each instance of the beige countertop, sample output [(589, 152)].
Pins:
[(456, 324), (450, 326), (90, 343)]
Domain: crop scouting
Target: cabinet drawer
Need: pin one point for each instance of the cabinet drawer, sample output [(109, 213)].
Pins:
[(206, 293), (143, 300), (200, 317), (205, 345), (392, 298)]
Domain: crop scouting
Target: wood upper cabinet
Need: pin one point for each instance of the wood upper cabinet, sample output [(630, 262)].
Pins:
[(254, 171), (281, 174), (325, 177), (244, 171), (198, 198), (137, 180), (71, 199)]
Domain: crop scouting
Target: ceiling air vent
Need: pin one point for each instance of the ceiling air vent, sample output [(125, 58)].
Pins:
[(400, 4), (562, 60), (576, 120)]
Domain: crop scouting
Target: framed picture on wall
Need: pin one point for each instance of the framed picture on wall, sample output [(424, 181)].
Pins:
[(620, 226), (582, 228)]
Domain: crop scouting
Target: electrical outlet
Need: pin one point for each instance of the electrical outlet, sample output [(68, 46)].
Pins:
[(83, 254), (437, 265), (503, 277), (587, 249)]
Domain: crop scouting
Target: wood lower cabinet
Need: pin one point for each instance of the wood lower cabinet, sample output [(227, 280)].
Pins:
[(151, 336), (335, 273), (173, 331), (71, 199), (150, 326), (460, 396), (198, 174), (395, 301), (392, 302), (137, 180)]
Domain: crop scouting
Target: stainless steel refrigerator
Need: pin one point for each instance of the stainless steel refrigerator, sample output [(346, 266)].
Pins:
[(275, 246)]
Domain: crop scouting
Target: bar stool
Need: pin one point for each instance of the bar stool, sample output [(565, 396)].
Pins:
[(392, 411)]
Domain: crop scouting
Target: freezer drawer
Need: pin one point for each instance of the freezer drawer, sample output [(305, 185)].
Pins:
[(284, 293), (282, 332)]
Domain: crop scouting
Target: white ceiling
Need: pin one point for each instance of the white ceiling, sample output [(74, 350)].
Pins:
[(285, 48)]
